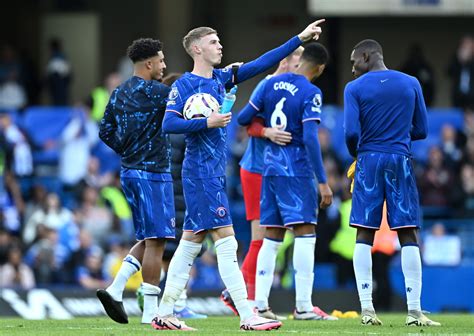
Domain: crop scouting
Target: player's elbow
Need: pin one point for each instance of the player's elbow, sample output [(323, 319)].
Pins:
[(242, 119)]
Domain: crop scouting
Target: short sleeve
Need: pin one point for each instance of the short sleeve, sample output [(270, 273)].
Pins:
[(313, 103)]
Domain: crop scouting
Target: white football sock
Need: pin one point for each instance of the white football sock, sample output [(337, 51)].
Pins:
[(303, 264), (265, 271), (181, 303), (226, 250), (130, 266), (363, 272), (411, 267), (178, 275), (150, 301)]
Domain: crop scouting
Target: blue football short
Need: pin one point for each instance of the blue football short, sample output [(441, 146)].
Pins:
[(288, 200), (207, 206), (151, 200), (380, 177)]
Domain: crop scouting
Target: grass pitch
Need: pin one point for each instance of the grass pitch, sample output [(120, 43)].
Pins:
[(452, 324)]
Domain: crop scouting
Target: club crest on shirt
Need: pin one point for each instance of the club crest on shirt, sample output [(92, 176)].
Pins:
[(221, 212)]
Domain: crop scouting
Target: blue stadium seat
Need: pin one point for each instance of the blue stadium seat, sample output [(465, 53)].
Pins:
[(42, 124)]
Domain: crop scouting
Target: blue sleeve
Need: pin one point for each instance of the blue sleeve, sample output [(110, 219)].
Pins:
[(312, 105), (267, 60), (419, 129), (246, 114), (174, 123), (311, 142), (254, 106), (108, 128), (351, 119)]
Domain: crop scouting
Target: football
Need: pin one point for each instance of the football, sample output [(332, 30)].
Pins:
[(200, 105)]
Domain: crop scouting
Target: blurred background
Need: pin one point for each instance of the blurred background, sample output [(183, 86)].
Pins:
[(64, 223)]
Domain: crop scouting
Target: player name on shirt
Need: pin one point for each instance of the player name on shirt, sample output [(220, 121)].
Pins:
[(291, 88)]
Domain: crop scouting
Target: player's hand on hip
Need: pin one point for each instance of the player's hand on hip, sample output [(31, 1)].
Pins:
[(326, 195), (277, 135), (312, 31), (217, 120)]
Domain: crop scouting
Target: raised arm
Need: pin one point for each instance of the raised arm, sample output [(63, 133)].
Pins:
[(419, 128), (272, 57), (351, 120)]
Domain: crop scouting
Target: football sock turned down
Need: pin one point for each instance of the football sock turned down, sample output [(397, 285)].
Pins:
[(411, 267), (178, 275), (150, 301), (265, 270), (130, 266), (226, 250), (303, 263), (363, 272)]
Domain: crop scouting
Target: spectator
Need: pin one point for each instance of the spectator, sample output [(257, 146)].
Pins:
[(96, 218), (15, 273), (76, 142), (58, 74), (449, 146), (436, 181), (22, 157), (461, 71), (417, 65), (91, 274), (100, 95), (47, 258), (467, 190), (51, 216)]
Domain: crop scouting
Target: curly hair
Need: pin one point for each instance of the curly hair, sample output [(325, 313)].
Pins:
[(143, 49)]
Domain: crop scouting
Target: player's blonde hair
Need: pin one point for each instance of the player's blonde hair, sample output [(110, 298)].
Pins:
[(195, 35)]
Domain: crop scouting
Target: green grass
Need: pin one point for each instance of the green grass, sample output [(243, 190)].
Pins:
[(452, 324)]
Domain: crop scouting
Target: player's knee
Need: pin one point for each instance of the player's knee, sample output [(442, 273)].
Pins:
[(365, 235), (407, 236), (275, 233), (304, 229)]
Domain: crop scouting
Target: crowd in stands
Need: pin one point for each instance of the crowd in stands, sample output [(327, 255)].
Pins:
[(65, 221)]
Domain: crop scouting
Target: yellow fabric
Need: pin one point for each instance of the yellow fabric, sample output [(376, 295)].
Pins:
[(118, 202), (345, 238), (100, 98), (351, 173)]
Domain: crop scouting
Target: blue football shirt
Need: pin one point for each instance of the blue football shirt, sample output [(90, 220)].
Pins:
[(290, 100), (206, 150), (383, 112), (131, 125)]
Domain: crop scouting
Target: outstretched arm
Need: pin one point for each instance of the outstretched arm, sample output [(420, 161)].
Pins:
[(272, 57)]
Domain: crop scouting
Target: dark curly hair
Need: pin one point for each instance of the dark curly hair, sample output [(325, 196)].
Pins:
[(143, 49)]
